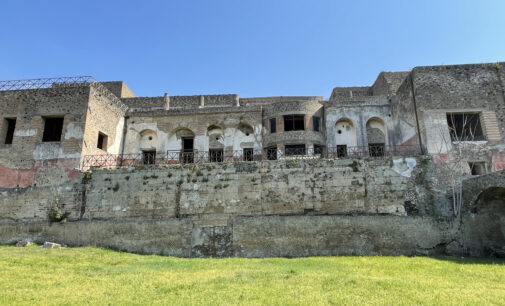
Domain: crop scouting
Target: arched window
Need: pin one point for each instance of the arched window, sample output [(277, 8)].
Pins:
[(148, 140), (216, 137), (376, 134), (345, 136), (148, 145), (216, 143), (244, 141)]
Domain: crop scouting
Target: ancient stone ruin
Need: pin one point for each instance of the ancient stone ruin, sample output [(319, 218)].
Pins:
[(413, 165)]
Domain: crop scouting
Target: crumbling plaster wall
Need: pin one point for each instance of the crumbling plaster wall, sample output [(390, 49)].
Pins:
[(166, 128), (359, 114), (403, 113), (461, 88), (105, 117)]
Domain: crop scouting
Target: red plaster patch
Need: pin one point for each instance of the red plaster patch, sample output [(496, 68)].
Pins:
[(16, 177), (498, 161)]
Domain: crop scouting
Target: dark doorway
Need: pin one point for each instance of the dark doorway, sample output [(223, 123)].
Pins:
[(148, 157), (271, 153), (216, 155), (187, 154), (248, 154), (341, 151), (376, 149)]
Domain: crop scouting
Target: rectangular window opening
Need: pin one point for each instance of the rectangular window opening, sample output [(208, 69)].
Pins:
[(102, 141), (477, 168), (148, 157), (53, 126), (9, 130), (294, 123), (318, 149), (297, 149), (248, 154), (273, 126), (316, 124), (465, 127), (216, 155)]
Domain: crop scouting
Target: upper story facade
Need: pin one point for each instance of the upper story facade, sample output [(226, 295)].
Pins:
[(50, 129)]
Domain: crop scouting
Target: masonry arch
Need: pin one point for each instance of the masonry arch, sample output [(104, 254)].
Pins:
[(376, 131), (485, 227), (243, 136), (345, 133), (148, 140), (181, 138), (215, 136)]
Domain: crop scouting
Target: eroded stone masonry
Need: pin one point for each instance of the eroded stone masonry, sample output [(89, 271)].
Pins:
[(413, 164)]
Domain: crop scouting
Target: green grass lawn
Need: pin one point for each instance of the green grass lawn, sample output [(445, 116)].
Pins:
[(33, 275)]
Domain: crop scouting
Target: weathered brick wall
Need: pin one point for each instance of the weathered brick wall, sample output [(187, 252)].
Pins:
[(20, 161), (165, 125)]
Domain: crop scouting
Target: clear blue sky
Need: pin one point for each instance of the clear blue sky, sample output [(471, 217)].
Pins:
[(248, 47)]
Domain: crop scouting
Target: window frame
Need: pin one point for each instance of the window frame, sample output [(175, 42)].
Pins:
[(9, 129), (48, 133), (475, 166), (455, 125), (318, 149), (316, 124), (273, 125), (103, 144), (290, 122)]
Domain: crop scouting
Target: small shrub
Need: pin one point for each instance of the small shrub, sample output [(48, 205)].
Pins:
[(355, 166), (56, 214)]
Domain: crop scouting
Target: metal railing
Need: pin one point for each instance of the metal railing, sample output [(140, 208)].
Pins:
[(46, 83), (218, 156), (62, 82)]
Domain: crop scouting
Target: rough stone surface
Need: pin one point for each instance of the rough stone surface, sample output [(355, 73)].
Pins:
[(316, 204), (23, 243), (51, 245)]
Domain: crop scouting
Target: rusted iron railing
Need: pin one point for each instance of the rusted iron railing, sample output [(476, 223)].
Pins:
[(218, 156)]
